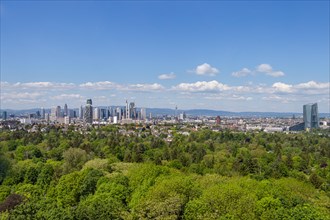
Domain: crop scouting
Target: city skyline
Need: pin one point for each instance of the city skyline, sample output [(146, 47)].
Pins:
[(231, 56)]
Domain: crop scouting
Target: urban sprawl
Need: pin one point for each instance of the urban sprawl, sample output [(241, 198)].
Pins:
[(130, 114)]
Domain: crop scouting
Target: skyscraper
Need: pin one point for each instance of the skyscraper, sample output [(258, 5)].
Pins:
[(81, 112), (132, 110), (4, 115), (65, 111), (311, 116), (88, 113), (58, 112), (127, 111), (96, 115), (43, 113), (143, 114)]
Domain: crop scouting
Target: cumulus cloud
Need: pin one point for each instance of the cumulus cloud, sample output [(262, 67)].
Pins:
[(282, 99), (67, 97), (102, 85), (4, 84), (313, 85), (310, 87), (167, 76), (143, 87), (202, 86), (268, 70), (45, 85), (242, 72), (262, 68), (21, 98), (206, 69), (107, 85), (282, 87), (21, 95), (228, 97)]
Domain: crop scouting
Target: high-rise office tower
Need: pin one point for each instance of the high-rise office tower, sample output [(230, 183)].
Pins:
[(65, 110), (88, 113), (118, 113), (96, 115), (4, 115), (132, 110), (43, 113), (127, 111), (81, 112), (58, 112), (47, 117), (110, 111), (311, 116), (143, 114), (53, 114)]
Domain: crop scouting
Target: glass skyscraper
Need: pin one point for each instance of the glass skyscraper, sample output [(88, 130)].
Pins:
[(311, 116), (88, 113)]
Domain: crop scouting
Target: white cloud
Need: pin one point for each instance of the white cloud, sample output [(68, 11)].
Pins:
[(21, 95), (275, 74), (222, 96), (282, 99), (67, 97), (242, 88), (282, 87), (107, 85), (268, 70), (242, 72), (264, 68), (313, 85), (201, 86), (143, 87), (4, 84), (167, 76), (308, 88), (102, 85), (44, 85), (206, 69)]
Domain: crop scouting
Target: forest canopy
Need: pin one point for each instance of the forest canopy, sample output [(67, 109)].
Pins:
[(162, 172)]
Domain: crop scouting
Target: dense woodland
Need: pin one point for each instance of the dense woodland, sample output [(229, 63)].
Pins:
[(103, 173)]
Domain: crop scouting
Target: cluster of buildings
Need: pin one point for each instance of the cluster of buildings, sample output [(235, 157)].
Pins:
[(95, 115), (88, 115)]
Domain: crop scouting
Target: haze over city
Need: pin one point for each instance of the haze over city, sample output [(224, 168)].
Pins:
[(232, 56)]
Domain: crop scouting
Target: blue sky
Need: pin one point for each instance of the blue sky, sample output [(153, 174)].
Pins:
[(236, 56)]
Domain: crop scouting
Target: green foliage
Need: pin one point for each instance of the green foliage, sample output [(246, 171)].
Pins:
[(4, 192), (100, 206), (76, 185), (316, 180), (4, 167), (115, 172), (167, 198), (222, 201), (74, 159), (97, 163), (28, 152), (46, 175), (142, 177)]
